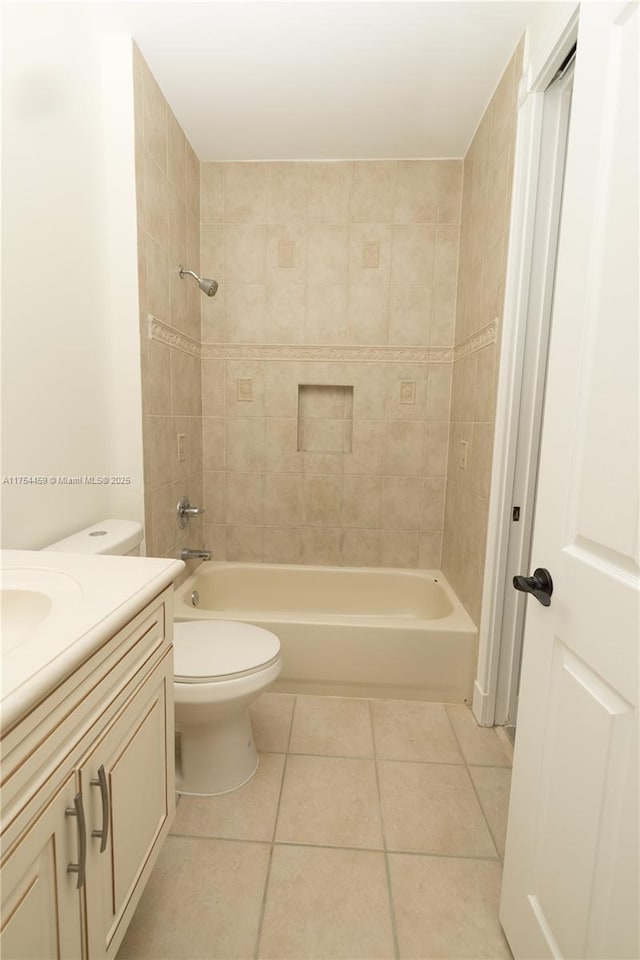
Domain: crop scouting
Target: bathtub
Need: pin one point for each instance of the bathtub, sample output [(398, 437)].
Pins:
[(347, 631)]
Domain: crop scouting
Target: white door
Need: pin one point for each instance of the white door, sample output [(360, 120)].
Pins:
[(570, 886)]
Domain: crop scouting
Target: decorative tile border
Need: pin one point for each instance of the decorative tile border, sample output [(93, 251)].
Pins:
[(165, 333), (483, 338), (328, 353)]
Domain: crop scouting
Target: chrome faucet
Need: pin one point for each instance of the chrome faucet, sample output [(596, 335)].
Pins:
[(188, 554)]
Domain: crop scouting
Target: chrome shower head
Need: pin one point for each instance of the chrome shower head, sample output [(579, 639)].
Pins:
[(209, 287)]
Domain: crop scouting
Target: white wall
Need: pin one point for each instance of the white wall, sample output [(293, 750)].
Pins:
[(71, 403)]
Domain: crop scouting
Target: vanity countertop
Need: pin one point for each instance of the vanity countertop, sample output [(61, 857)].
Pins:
[(59, 608)]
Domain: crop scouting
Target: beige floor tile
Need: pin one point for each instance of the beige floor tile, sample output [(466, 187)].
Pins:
[(409, 730), (330, 801), (432, 808), (326, 904), (203, 899), (480, 745), (447, 908), (493, 785), (248, 813), (271, 721), (332, 726)]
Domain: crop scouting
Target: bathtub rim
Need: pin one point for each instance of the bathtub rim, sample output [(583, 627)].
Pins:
[(457, 620)]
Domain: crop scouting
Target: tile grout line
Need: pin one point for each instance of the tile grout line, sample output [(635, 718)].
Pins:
[(272, 842), (473, 787), (374, 756), (326, 846), (392, 913)]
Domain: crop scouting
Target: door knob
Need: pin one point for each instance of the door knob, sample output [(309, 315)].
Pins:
[(540, 585)]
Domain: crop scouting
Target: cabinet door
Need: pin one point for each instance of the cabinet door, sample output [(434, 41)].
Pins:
[(40, 900), (128, 780)]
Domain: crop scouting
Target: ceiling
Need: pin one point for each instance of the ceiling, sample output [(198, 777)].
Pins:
[(327, 80)]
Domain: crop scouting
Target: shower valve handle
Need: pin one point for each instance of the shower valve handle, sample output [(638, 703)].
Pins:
[(185, 511)]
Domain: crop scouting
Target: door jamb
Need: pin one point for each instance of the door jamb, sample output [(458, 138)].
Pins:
[(512, 350), (557, 108)]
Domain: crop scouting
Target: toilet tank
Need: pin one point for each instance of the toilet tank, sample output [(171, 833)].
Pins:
[(118, 538)]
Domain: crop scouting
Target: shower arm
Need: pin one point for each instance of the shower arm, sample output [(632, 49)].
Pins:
[(184, 270)]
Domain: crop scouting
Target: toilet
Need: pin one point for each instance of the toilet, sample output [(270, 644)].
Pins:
[(220, 668)]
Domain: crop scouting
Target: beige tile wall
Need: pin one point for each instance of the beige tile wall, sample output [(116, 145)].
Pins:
[(362, 253), (168, 192), (393, 253), (484, 232)]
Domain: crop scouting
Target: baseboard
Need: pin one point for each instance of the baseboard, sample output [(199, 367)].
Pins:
[(481, 706)]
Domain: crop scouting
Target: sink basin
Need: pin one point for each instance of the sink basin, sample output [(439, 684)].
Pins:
[(30, 599), (21, 613)]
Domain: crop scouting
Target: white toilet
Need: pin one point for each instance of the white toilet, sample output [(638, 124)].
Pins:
[(220, 667)]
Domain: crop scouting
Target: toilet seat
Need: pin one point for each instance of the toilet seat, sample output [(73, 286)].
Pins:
[(206, 651)]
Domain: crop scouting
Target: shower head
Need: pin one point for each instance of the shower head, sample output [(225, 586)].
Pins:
[(207, 286)]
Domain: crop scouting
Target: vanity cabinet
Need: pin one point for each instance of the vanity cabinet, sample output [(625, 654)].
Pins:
[(88, 798)]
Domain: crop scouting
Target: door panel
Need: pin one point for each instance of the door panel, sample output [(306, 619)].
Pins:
[(575, 797), (135, 755), (570, 885), (138, 789), (40, 901)]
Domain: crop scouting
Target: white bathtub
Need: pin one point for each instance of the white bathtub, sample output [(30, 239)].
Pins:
[(347, 631)]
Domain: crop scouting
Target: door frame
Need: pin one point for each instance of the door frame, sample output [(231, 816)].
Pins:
[(555, 130), (500, 625)]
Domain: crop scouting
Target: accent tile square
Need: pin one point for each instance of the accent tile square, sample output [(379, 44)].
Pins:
[(287, 253), (407, 391), (370, 253), (244, 389)]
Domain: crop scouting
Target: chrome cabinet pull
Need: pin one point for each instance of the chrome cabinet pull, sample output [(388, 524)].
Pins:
[(104, 795), (77, 810)]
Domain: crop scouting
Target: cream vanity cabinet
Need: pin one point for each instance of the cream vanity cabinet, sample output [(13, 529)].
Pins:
[(88, 792)]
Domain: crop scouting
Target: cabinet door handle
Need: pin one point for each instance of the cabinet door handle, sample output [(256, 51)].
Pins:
[(77, 810), (104, 795)]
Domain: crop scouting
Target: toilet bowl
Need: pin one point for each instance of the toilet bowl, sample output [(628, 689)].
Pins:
[(220, 667)]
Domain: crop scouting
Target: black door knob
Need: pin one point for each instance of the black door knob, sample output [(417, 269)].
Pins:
[(540, 585)]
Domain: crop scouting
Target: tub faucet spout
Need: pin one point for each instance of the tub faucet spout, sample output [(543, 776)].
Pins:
[(188, 554)]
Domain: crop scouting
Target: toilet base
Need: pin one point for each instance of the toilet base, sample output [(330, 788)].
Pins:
[(215, 758)]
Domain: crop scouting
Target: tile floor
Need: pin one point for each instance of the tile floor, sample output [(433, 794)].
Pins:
[(372, 829)]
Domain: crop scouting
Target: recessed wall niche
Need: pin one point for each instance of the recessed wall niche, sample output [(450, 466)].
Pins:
[(325, 418)]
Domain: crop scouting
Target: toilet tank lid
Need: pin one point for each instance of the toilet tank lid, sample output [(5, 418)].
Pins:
[(114, 537)]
